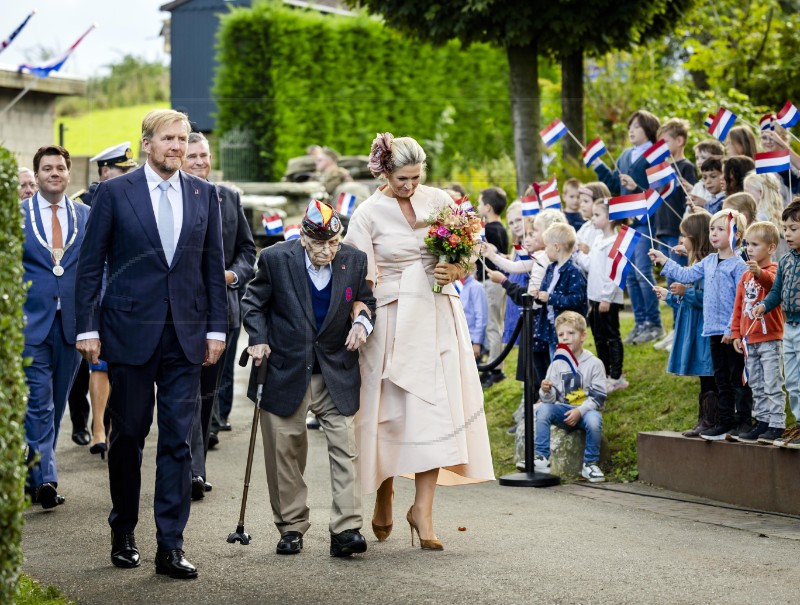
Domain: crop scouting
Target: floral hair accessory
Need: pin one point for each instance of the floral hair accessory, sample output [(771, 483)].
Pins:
[(380, 155)]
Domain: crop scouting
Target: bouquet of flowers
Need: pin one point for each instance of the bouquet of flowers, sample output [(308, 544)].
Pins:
[(452, 234)]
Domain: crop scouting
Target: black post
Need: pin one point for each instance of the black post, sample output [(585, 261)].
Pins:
[(530, 478), (61, 129)]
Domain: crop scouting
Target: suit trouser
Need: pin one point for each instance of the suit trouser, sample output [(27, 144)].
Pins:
[(78, 398), (225, 397), (285, 453), (496, 302), (49, 377), (207, 399), (131, 404)]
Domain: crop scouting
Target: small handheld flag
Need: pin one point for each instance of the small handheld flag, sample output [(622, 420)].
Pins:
[(708, 121), (746, 351), (731, 232), (42, 71), (654, 200), (464, 204), (554, 131), (660, 174), (291, 232), (549, 186), (346, 203), (721, 124), (522, 253), (551, 199), (627, 206), (273, 224), (565, 354), (595, 149), (619, 270), (788, 116), (773, 161), (657, 153), (668, 190), (530, 205), (626, 242), (15, 33), (767, 122)]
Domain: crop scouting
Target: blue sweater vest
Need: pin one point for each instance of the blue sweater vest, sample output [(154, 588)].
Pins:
[(320, 302)]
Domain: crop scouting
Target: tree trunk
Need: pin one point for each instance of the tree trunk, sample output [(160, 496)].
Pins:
[(523, 87), (572, 102)]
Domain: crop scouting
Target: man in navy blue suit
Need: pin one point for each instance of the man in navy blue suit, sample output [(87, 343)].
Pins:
[(54, 228), (162, 317)]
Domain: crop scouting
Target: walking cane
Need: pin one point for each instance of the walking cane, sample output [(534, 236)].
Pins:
[(240, 535)]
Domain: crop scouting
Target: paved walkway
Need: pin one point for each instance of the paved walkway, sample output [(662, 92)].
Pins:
[(569, 544)]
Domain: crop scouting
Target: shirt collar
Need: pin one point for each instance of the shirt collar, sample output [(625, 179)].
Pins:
[(154, 179), (640, 149), (44, 204), (310, 266)]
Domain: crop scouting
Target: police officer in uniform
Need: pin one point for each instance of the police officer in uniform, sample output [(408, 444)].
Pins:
[(111, 162)]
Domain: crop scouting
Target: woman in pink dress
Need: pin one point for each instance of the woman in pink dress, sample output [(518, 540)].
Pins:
[(421, 400)]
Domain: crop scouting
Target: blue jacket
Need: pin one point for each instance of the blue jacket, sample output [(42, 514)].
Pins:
[(636, 170), (691, 352), (568, 295)]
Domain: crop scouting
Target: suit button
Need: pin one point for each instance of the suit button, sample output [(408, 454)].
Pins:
[(316, 342), (308, 367), (166, 300)]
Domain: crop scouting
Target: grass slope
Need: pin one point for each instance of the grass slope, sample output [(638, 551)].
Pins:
[(92, 132), (30, 592)]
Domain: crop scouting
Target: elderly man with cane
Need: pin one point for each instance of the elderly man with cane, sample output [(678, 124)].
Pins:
[(297, 313)]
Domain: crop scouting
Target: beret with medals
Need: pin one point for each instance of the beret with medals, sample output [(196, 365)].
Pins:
[(321, 222), (119, 156)]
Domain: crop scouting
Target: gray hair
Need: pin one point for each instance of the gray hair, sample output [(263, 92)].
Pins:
[(196, 137)]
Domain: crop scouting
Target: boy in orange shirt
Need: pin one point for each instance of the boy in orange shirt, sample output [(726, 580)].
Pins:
[(764, 337)]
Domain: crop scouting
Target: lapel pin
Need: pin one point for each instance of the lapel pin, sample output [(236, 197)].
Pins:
[(348, 294), (344, 267), (196, 191)]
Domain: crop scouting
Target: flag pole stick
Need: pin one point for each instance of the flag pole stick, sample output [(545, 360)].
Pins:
[(16, 99), (652, 239), (678, 174), (612, 159), (644, 277), (789, 192), (648, 227), (789, 132), (751, 125), (574, 138)]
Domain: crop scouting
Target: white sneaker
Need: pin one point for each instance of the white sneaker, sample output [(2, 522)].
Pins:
[(615, 384), (541, 464), (592, 473), (665, 342)]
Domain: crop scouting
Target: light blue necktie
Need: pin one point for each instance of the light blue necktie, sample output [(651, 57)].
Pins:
[(166, 223)]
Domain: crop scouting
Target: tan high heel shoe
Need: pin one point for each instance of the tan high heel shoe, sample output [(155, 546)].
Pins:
[(382, 532), (434, 544)]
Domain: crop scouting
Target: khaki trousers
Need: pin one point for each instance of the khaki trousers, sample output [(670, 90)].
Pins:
[(285, 452), (496, 303)]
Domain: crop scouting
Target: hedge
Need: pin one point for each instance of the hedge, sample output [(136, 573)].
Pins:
[(13, 389), (296, 77)]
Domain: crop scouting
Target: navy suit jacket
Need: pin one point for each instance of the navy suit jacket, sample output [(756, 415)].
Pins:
[(141, 287), (42, 300)]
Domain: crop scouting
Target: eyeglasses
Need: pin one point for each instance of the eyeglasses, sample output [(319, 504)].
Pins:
[(320, 246)]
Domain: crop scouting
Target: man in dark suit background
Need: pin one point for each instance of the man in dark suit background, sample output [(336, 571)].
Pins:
[(162, 316), (54, 229), (240, 257), (297, 312)]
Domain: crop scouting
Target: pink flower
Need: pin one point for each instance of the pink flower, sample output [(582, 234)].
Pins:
[(443, 232), (380, 155)]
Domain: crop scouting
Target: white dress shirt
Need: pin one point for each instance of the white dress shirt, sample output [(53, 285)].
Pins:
[(321, 277), (174, 194), (47, 223)]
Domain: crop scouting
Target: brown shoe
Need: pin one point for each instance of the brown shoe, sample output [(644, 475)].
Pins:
[(787, 436), (695, 431)]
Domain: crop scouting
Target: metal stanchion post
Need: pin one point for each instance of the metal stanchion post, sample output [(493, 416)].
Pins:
[(530, 478)]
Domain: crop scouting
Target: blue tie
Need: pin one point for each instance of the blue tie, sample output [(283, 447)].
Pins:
[(166, 223)]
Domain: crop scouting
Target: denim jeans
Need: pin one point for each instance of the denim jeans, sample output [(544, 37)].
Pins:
[(553, 413), (765, 372), (643, 299), (671, 241), (791, 365)]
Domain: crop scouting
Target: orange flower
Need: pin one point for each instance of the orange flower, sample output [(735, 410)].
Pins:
[(454, 240)]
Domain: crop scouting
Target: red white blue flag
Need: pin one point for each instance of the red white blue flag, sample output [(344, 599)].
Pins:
[(346, 203), (660, 174), (773, 161), (464, 204), (627, 206), (788, 116), (668, 190), (42, 71), (721, 124), (565, 354), (291, 232), (767, 122), (654, 200), (273, 224), (657, 153), (550, 199), (595, 149), (619, 270), (554, 131), (731, 232), (530, 205), (746, 351), (708, 121), (625, 243), (522, 253), (549, 186), (14, 34)]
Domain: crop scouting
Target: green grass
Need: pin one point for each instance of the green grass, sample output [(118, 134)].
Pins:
[(654, 400), (92, 132), (29, 592)]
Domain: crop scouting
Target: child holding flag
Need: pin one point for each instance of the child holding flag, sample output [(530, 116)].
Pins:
[(702, 151), (722, 271), (760, 340), (573, 395)]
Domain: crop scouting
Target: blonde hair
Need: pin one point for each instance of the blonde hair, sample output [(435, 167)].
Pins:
[(740, 221), (765, 230), (560, 233), (771, 202), (159, 118), (576, 320), (515, 205), (407, 152), (744, 203), (549, 217)]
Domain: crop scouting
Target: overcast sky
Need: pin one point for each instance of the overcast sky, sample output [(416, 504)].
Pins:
[(124, 27)]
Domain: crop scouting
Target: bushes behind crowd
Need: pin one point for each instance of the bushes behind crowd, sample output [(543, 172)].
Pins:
[(13, 390), (292, 77)]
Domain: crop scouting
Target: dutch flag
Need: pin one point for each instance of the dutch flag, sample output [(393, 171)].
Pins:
[(551, 199), (464, 204), (625, 243), (522, 254), (273, 225), (554, 131), (595, 149), (619, 271), (767, 122), (721, 124), (530, 205), (627, 206), (660, 174), (291, 232), (654, 200), (708, 121), (773, 161), (788, 116), (565, 354), (668, 190), (346, 203), (549, 186), (746, 351), (657, 153), (52, 66), (731, 232)]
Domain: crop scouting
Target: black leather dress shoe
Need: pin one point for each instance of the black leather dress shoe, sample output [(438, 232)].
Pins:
[(81, 436), (48, 497), (209, 487), (172, 563), (291, 543), (213, 440), (347, 543), (198, 488), (224, 425), (123, 550)]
